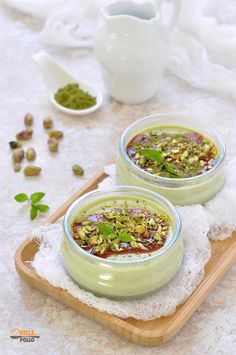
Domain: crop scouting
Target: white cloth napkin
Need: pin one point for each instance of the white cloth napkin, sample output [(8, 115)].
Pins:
[(204, 40)]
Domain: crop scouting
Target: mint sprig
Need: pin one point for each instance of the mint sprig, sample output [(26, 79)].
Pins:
[(33, 200), (105, 229), (155, 155), (109, 232)]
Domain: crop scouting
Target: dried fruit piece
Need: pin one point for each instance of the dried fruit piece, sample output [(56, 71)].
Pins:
[(48, 122), (32, 170), (28, 119), (53, 144), (24, 135), (18, 155), (77, 170), (15, 144), (30, 154), (55, 134), (17, 167)]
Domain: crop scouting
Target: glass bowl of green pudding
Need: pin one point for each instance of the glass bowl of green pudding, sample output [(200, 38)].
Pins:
[(122, 242), (174, 156)]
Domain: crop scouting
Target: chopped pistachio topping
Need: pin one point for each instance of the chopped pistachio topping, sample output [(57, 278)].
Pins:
[(173, 155), (121, 230)]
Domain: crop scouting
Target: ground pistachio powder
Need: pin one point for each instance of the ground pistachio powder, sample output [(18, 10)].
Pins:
[(71, 96)]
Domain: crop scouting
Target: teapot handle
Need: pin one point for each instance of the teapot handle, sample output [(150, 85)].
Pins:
[(175, 12)]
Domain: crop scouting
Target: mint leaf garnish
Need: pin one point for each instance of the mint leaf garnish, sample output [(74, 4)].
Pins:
[(171, 169), (33, 212), (36, 197), (42, 208), (124, 237), (152, 154), (105, 229), (22, 197)]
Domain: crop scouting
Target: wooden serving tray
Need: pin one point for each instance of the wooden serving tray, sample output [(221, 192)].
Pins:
[(153, 332)]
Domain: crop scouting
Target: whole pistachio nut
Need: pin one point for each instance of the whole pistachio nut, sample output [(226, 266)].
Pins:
[(24, 135), (18, 155), (53, 144), (30, 154), (55, 134), (77, 169), (17, 167), (28, 119), (48, 122), (32, 170), (15, 144)]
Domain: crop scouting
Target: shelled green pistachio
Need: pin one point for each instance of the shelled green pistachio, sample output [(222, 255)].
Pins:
[(30, 154), (32, 170)]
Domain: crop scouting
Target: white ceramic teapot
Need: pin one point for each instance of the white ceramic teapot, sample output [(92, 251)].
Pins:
[(132, 47)]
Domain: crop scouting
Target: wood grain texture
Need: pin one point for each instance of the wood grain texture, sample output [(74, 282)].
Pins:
[(152, 332)]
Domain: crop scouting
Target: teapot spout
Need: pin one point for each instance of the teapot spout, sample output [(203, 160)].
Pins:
[(53, 74)]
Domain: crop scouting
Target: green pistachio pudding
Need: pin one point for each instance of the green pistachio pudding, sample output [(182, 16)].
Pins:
[(122, 242), (173, 156)]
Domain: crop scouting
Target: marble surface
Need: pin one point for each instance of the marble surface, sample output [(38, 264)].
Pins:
[(212, 329)]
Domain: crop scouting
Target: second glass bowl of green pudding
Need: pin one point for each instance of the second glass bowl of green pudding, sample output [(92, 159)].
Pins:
[(122, 242), (173, 156)]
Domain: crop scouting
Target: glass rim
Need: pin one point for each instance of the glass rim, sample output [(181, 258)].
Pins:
[(173, 213), (162, 179)]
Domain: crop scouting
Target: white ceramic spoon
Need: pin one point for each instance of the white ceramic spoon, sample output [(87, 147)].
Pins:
[(56, 77)]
